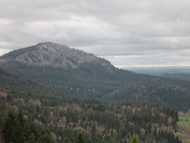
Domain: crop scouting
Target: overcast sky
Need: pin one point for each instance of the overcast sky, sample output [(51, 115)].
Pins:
[(127, 32)]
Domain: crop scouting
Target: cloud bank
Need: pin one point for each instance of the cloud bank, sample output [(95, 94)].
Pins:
[(127, 32)]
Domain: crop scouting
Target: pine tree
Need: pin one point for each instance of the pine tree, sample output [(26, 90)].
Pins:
[(134, 139)]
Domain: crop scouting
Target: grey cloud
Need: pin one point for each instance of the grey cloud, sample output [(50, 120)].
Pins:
[(147, 32)]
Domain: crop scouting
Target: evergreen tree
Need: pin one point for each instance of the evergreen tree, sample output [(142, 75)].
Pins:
[(134, 139)]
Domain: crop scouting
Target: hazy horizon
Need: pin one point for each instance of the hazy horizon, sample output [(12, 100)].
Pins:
[(131, 67)]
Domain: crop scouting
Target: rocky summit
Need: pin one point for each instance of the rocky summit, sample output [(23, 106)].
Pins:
[(53, 55)]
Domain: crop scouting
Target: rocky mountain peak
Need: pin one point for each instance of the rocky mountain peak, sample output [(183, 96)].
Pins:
[(54, 55), (50, 45)]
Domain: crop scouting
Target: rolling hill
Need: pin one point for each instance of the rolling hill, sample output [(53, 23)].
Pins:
[(80, 75)]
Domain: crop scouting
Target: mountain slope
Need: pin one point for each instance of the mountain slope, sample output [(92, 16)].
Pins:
[(12, 82), (54, 55), (84, 76), (62, 69), (8, 80)]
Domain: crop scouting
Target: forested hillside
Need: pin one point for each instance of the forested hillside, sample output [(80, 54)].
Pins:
[(59, 71), (38, 120)]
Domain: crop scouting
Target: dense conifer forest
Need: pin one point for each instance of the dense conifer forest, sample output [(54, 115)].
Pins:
[(37, 120)]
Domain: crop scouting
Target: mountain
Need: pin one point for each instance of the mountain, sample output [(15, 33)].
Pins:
[(50, 54), (56, 57), (75, 74), (62, 69)]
